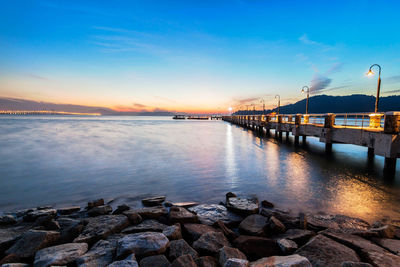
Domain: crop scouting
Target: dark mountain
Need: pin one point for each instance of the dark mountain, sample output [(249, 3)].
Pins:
[(338, 104)]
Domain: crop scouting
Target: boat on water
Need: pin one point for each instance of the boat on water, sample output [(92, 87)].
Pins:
[(198, 118), (179, 117)]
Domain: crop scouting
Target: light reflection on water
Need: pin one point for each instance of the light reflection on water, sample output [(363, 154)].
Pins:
[(70, 160)]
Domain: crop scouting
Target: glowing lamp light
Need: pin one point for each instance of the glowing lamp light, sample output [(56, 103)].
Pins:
[(370, 73), (230, 109)]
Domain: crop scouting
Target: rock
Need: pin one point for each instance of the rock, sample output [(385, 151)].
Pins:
[(226, 253), (276, 226), (195, 230), (9, 235), (102, 226), (120, 209), (355, 264), (287, 246), (124, 263), (392, 245), (210, 214), (283, 261), (299, 236), (386, 231), (323, 251), (95, 203), (184, 204), (289, 221), (255, 247), (302, 221), (142, 244), (145, 226), (44, 207), (184, 261), (180, 247), (15, 265), (210, 243), (168, 204), (227, 232), (59, 255), (319, 222), (155, 261), (243, 206), (206, 261), (254, 225), (68, 210), (236, 263), (7, 220), (152, 212), (133, 216), (32, 241), (173, 232), (267, 204), (101, 254), (33, 215), (70, 229), (153, 201), (181, 215), (381, 259), (99, 210), (229, 195)]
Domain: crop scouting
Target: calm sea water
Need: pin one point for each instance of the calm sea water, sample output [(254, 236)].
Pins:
[(63, 160)]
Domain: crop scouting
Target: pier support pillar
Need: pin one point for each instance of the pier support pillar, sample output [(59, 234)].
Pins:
[(280, 135), (287, 135), (390, 166), (304, 138), (296, 140), (328, 147), (371, 152)]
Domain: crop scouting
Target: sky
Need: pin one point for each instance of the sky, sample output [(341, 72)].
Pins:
[(195, 56)]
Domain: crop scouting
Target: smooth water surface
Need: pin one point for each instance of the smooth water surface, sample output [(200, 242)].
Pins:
[(63, 160)]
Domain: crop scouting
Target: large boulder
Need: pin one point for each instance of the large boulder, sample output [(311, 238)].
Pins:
[(254, 225), (287, 246), (68, 210), (101, 254), (299, 236), (184, 261), (276, 226), (210, 214), (173, 232), (145, 226), (102, 226), (231, 235), (155, 261), (133, 216), (319, 222), (232, 262), (393, 245), (124, 263), (255, 247), (59, 255), (283, 261), (7, 220), (153, 201), (142, 244), (243, 206), (70, 229), (289, 221), (195, 230), (34, 214), (206, 261), (323, 251), (100, 210), (226, 253), (95, 203), (9, 235), (180, 247), (210, 243), (182, 215), (381, 259), (151, 212)]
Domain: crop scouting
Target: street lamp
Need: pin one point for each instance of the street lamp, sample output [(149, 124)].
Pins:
[(279, 102), (230, 110), (308, 95), (370, 73), (263, 102)]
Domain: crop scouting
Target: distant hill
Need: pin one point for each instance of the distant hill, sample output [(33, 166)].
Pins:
[(337, 104)]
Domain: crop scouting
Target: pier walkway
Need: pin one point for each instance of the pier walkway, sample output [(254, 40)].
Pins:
[(379, 132)]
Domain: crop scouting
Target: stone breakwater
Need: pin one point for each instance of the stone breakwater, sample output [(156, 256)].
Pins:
[(240, 232)]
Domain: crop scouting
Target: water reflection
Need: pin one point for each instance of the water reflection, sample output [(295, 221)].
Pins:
[(230, 163)]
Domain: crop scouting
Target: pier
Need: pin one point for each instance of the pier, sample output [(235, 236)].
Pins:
[(380, 132)]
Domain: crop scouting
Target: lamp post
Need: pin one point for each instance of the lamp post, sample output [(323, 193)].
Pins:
[(263, 102), (254, 109), (370, 72), (308, 95), (279, 102), (230, 111)]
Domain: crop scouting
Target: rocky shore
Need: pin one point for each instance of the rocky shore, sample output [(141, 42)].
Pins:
[(238, 233)]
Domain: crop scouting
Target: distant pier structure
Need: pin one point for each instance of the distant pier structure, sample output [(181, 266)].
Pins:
[(380, 132)]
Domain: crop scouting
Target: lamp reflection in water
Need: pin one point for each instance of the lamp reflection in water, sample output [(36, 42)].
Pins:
[(298, 174), (230, 162)]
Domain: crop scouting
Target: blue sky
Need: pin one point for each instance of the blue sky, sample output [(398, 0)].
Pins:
[(195, 55)]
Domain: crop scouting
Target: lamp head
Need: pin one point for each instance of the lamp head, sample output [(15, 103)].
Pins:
[(230, 109), (370, 73), (302, 91)]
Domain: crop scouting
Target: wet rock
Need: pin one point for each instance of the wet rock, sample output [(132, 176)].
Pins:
[(381, 259), (102, 226), (323, 251), (60, 255), (255, 247), (195, 230), (290, 222), (153, 201), (206, 261), (254, 225), (168, 204), (142, 244), (210, 243), (15, 265), (120, 209), (95, 203), (226, 253), (386, 231), (32, 241), (9, 235), (7, 220), (133, 216), (276, 226), (236, 263), (283, 261), (124, 263), (243, 206), (155, 261), (392, 245), (299, 236), (287, 246), (68, 210), (210, 214), (319, 222), (184, 261), (70, 229), (184, 204), (151, 212), (33, 215), (99, 210), (267, 204), (229, 195), (145, 226), (181, 215), (355, 264), (101, 254), (173, 232), (227, 232), (180, 247)]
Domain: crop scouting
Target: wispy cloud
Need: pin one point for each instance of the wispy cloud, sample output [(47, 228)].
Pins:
[(35, 76), (307, 41), (391, 92), (393, 79), (319, 83)]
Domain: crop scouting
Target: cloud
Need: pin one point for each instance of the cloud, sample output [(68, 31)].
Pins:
[(31, 75), (138, 105), (307, 41), (319, 83), (392, 79), (391, 92)]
